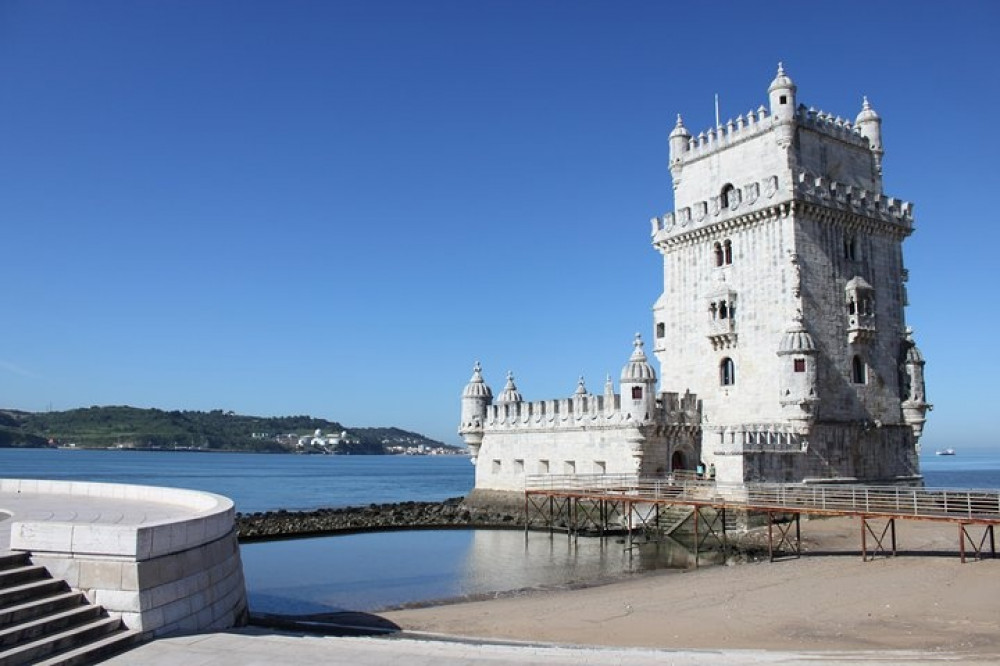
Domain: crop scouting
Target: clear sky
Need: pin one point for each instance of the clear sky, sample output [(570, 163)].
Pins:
[(335, 208)]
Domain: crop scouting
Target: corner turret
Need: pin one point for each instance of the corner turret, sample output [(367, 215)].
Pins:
[(680, 140), (638, 385), (870, 125), (476, 397), (782, 96), (915, 405), (798, 352)]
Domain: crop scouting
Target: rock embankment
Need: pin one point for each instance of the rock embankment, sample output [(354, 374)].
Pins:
[(451, 513)]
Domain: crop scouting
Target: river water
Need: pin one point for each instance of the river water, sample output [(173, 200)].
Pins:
[(370, 572)]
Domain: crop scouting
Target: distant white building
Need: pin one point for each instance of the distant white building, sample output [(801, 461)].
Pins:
[(782, 310)]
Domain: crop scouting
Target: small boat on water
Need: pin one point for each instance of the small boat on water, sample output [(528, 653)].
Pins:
[(945, 452)]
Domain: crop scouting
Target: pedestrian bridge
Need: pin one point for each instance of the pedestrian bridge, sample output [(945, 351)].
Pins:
[(588, 503)]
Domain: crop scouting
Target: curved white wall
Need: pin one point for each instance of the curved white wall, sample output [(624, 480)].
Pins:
[(180, 574)]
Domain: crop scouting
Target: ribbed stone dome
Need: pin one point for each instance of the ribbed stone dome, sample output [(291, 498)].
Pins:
[(679, 129), (477, 388), (867, 113), (638, 368), (797, 339), (510, 392), (781, 81)]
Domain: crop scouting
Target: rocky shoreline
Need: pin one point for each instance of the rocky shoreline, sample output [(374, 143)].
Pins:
[(451, 513)]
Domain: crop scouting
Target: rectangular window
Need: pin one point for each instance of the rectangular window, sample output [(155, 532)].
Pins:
[(543, 466), (569, 467), (800, 365), (519, 466), (496, 466), (637, 393), (600, 467)]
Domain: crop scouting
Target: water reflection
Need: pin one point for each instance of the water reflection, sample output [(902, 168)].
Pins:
[(376, 571)]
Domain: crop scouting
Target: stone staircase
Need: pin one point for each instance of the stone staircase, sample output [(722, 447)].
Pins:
[(43, 622)]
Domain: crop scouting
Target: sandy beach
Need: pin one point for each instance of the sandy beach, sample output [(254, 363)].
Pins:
[(924, 599)]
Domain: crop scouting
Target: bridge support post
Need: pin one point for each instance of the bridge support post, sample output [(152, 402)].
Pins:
[(977, 548), (879, 537), (784, 536)]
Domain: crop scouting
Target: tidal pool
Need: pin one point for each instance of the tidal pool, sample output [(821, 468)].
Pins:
[(381, 570)]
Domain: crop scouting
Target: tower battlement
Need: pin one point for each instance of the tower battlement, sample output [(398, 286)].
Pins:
[(593, 411)]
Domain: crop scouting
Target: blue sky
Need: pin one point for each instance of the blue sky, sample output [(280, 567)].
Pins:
[(335, 208)]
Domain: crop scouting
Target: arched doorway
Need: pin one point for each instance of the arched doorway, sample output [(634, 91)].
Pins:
[(677, 461)]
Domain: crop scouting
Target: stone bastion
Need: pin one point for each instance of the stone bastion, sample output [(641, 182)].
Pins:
[(165, 560)]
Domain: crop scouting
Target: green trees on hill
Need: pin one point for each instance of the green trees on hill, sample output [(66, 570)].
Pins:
[(132, 427)]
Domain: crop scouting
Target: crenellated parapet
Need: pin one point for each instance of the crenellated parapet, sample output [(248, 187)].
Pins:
[(746, 198), (589, 411), (762, 194), (852, 199), (733, 131), (831, 125)]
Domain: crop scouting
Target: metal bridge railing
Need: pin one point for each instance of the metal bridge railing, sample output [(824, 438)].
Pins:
[(940, 503)]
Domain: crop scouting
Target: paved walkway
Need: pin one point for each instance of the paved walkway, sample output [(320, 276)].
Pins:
[(251, 646), (77, 508)]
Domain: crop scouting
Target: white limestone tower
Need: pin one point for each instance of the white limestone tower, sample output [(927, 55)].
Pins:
[(779, 216)]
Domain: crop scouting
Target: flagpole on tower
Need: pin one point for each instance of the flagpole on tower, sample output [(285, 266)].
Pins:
[(717, 124)]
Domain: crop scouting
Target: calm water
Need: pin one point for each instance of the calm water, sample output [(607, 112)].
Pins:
[(370, 572), (257, 481), (378, 571)]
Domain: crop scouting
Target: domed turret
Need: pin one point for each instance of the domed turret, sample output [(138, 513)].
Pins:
[(870, 125), (510, 392), (798, 352), (638, 384), (915, 405), (679, 139), (476, 398), (782, 96)]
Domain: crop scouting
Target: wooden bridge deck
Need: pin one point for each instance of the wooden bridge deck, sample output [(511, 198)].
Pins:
[(593, 502)]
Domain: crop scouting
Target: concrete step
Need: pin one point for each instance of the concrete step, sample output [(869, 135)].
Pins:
[(51, 645), (31, 590), (35, 628), (14, 575), (33, 608), (99, 650), (10, 559)]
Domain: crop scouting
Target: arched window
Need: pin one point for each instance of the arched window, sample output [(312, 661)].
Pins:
[(727, 372), (728, 251), (719, 254), (851, 248), (859, 374), (727, 195)]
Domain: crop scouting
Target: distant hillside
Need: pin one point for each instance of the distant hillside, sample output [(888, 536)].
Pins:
[(132, 427)]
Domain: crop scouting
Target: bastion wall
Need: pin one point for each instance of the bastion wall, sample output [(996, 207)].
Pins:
[(177, 575)]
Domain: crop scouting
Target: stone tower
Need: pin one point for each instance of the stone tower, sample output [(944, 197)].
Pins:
[(783, 297)]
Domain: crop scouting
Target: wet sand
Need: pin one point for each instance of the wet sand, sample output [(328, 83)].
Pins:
[(923, 599)]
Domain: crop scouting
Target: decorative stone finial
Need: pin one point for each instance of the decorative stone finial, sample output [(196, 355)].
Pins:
[(781, 68)]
